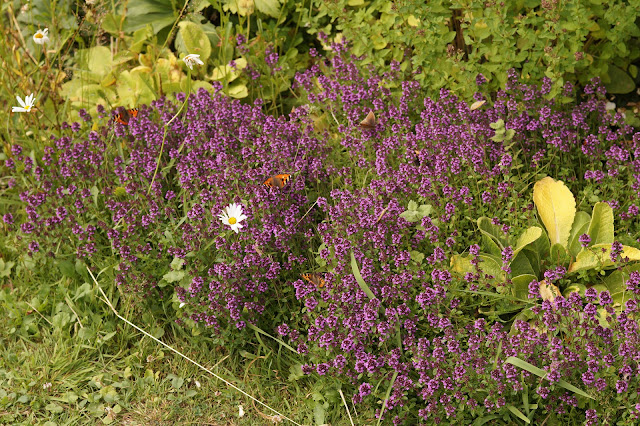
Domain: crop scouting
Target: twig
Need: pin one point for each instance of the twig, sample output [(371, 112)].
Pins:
[(344, 401)]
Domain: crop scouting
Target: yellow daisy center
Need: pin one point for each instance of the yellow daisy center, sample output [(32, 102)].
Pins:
[(39, 35), (232, 221), (28, 108)]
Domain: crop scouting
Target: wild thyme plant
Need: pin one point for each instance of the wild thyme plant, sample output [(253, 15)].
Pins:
[(379, 212)]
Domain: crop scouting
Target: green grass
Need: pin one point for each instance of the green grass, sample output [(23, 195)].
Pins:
[(103, 370)]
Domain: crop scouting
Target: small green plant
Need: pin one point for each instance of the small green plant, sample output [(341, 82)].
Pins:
[(578, 242)]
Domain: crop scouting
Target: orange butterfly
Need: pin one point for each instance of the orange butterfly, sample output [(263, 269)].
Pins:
[(314, 278), (124, 117), (277, 181), (369, 122)]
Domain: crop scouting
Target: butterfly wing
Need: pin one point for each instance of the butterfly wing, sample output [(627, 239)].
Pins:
[(314, 278), (277, 181), (369, 122), (124, 116)]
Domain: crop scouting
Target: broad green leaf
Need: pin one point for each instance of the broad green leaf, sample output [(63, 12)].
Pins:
[(601, 226), (520, 265), (492, 231), (191, 39), (491, 246), (490, 265), (534, 260), (158, 13), (96, 60), (173, 276), (618, 81), (417, 256), (559, 255), (598, 256), (520, 286), (556, 209), (529, 236), (616, 285), (580, 226), (319, 413), (268, 7), (238, 91), (224, 72), (133, 89)]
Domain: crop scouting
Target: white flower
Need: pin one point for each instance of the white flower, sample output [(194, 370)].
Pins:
[(232, 216), (41, 36), (192, 59), (609, 106), (27, 104), (240, 411)]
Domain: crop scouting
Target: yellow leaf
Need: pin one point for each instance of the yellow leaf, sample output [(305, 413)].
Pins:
[(238, 91), (413, 21), (556, 209), (598, 255), (548, 291)]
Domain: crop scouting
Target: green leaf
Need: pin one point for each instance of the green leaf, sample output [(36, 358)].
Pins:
[(542, 374), (529, 236), (598, 256), (492, 231), (616, 285), (54, 408), (173, 276), (319, 413), (489, 264), (518, 414), (520, 265), (191, 39), (268, 7), (601, 226), (157, 13), (520, 285), (238, 91), (96, 60), (356, 273), (417, 256), (618, 82), (580, 226)]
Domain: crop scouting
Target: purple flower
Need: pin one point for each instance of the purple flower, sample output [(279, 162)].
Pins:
[(584, 239)]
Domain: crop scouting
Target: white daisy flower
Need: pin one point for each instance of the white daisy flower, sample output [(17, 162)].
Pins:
[(26, 105), (232, 216), (191, 60), (41, 37)]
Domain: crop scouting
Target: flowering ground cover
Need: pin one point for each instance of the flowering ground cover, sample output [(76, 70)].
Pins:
[(402, 258)]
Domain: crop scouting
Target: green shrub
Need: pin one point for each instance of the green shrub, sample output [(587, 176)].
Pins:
[(450, 42)]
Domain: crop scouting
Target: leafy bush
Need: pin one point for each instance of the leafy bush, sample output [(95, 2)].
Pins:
[(256, 61), (449, 43)]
